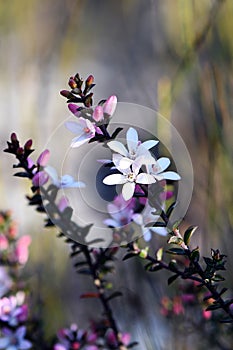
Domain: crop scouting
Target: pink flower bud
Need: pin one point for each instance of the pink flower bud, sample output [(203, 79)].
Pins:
[(74, 109), (98, 114), (72, 83), (43, 158), (66, 93), (40, 178), (206, 314), (110, 105), (3, 242), (28, 145), (30, 162), (125, 338), (14, 137), (21, 250), (89, 80)]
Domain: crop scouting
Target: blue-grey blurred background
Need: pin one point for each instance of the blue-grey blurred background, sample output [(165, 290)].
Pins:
[(172, 56)]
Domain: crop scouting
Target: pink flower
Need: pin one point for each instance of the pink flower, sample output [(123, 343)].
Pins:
[(21, 251), (3, 242), (110, 105), (206, 315), (112, 340), (188, 298), (178, 306)]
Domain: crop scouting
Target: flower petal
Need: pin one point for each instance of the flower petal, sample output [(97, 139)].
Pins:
[(147, 235), (138, 219), (163, 163), (80, 140), (74, 127), (118, 147), (159, 230), (149, 144), (170, 175), (128, 190), (114, 179), (132, 139), (125, 163), (145, 179), (52, 174), (110, 222)]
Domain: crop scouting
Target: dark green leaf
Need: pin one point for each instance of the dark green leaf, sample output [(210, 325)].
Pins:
[(218, 278), (208, 261), (170, 209), (195, 255), (226, 320), (156, 224), (114, 295), (213, 306), (223, 291), (84, 271), (172, 279), (176, 251), (131, 345), (129, 255), (80, 263), (22, 174), (116, 132), (188, 234)]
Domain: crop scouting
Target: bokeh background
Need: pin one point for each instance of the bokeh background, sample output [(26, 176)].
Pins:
[(172, 56)]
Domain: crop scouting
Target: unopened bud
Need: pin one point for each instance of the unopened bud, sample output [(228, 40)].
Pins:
[(66, 93), (43, 158), (88, 100), (110, 105), (28, 145), (90, 80), (98, 114), (14, 137), (74, 109), (72, 83), (143, 253)]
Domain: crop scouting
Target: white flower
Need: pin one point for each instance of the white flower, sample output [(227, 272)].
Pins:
[(157, 170), (145, 218), (129, 178), (66, 181), (137, 150), (14, 340), (84, 129)]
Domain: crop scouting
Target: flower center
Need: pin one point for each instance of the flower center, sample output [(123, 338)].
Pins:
[(86, 130), (131, 177)]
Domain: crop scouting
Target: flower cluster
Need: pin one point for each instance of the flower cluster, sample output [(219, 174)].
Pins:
[(123, 213), (91, 123), (129, 163), (13, 306), (75, 338), (13, 249)]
